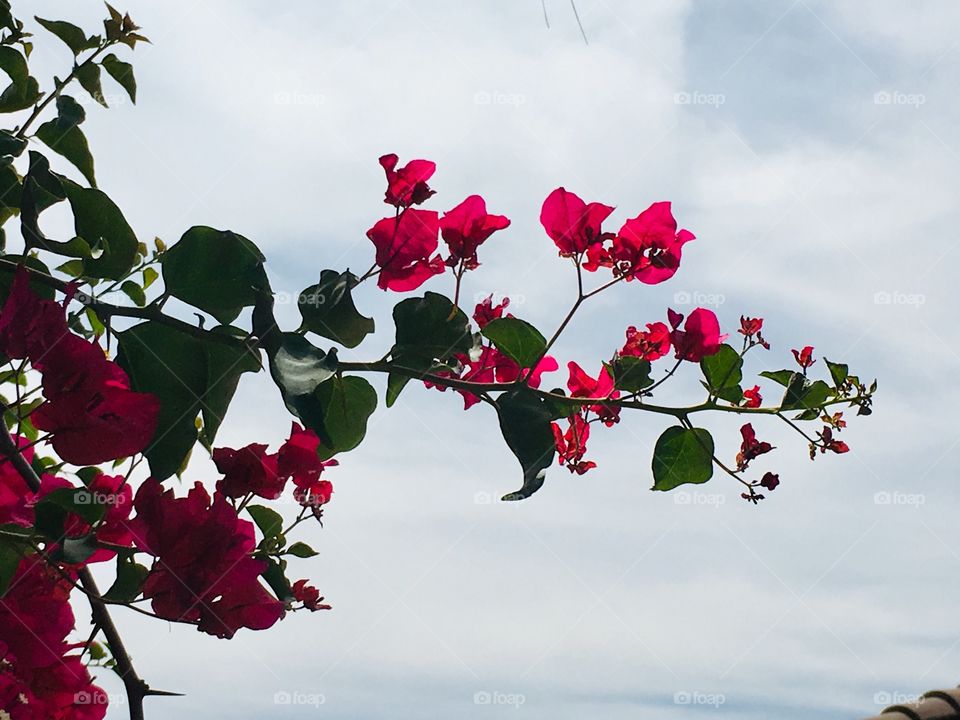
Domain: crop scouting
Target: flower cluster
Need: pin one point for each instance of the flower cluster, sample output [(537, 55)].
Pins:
[(406, 244)]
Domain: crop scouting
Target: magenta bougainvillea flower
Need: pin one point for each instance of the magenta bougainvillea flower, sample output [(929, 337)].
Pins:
[(831, 443), (308, 595), (490, 366), (407, 186), (572, 444), (804, 357), (202, 572), (647, 248), (299, 461), (752, 397), (250, 469), (770, 481), (466, 227), (582, 385), (572, 224), (487, 311), (700, 336), (404, 246), (650, 344), (750, 447)]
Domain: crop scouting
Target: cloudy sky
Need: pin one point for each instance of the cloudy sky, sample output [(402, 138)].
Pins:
[(811, 146)]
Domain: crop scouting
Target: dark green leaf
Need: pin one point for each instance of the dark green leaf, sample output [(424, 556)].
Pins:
[(6, 278), (134, 292), (269, 521), (217, 271), (72, 36), (801, 394), (630, 374), (525, 424), (76, 550), (781, 377), (430, 328), (88, 76), (225, 364), (328, 310), (276, 578), (10, 144), (682, 456), (122, 72), (724, 371), (838, 372), (345, 404), (52, 510), (301, 550), (298, 368), (11, 552), (516, 338), (99, 222), (396, 382), (23, 91), (127, 586)]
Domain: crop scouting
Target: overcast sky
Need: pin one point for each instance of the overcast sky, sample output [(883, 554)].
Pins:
[(811, 146)]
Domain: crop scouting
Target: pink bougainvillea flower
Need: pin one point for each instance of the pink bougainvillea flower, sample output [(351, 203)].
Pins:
[(647, 248), (492, 366), (202, 572), (650, 344), (572, 444), (29, 325), (700, 336), (572, 224), (407, 186), (581, 385), (248, 470), (770, 481), (308, 595), (804, 357), (16, 497), (487, 311), (313, 493), (404, 247), (750, 447), (752, 397), (832, 444), (466, 227), (750, 326), (298, 458)]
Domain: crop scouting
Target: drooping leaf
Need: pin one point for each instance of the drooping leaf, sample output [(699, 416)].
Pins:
[(269, 521), (801, 394), (64, 136), (122, 72), (10, 144), (275, 576), (134, 292), (346, 403), (525, 424), (225, 363), (327, 309), (217, 271), (298, 368), (681, 456), (516, 338), (129, 581), (23, 90), (100, 223), (88, 75), (723, 372), (74, 38)]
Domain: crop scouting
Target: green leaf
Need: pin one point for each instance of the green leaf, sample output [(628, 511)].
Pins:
[(10, 144), (430, 328), (130, 576), (839, 372), (804, 395), (188, 375), (134, 292), (516, 338), (275, 576), (88, 76), (781, 377), (630, 374), (682, 456), (122, 72), (217, 271), (301, 550), (345, 403), (76, 550), (11, 552), (99, 222), (24, 90), (525, 424), (269, 521), (327, 309), (298, 369), (72, 36), (14, 64), (63, 136), (724, 372), (52, 510), (149, 277)]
